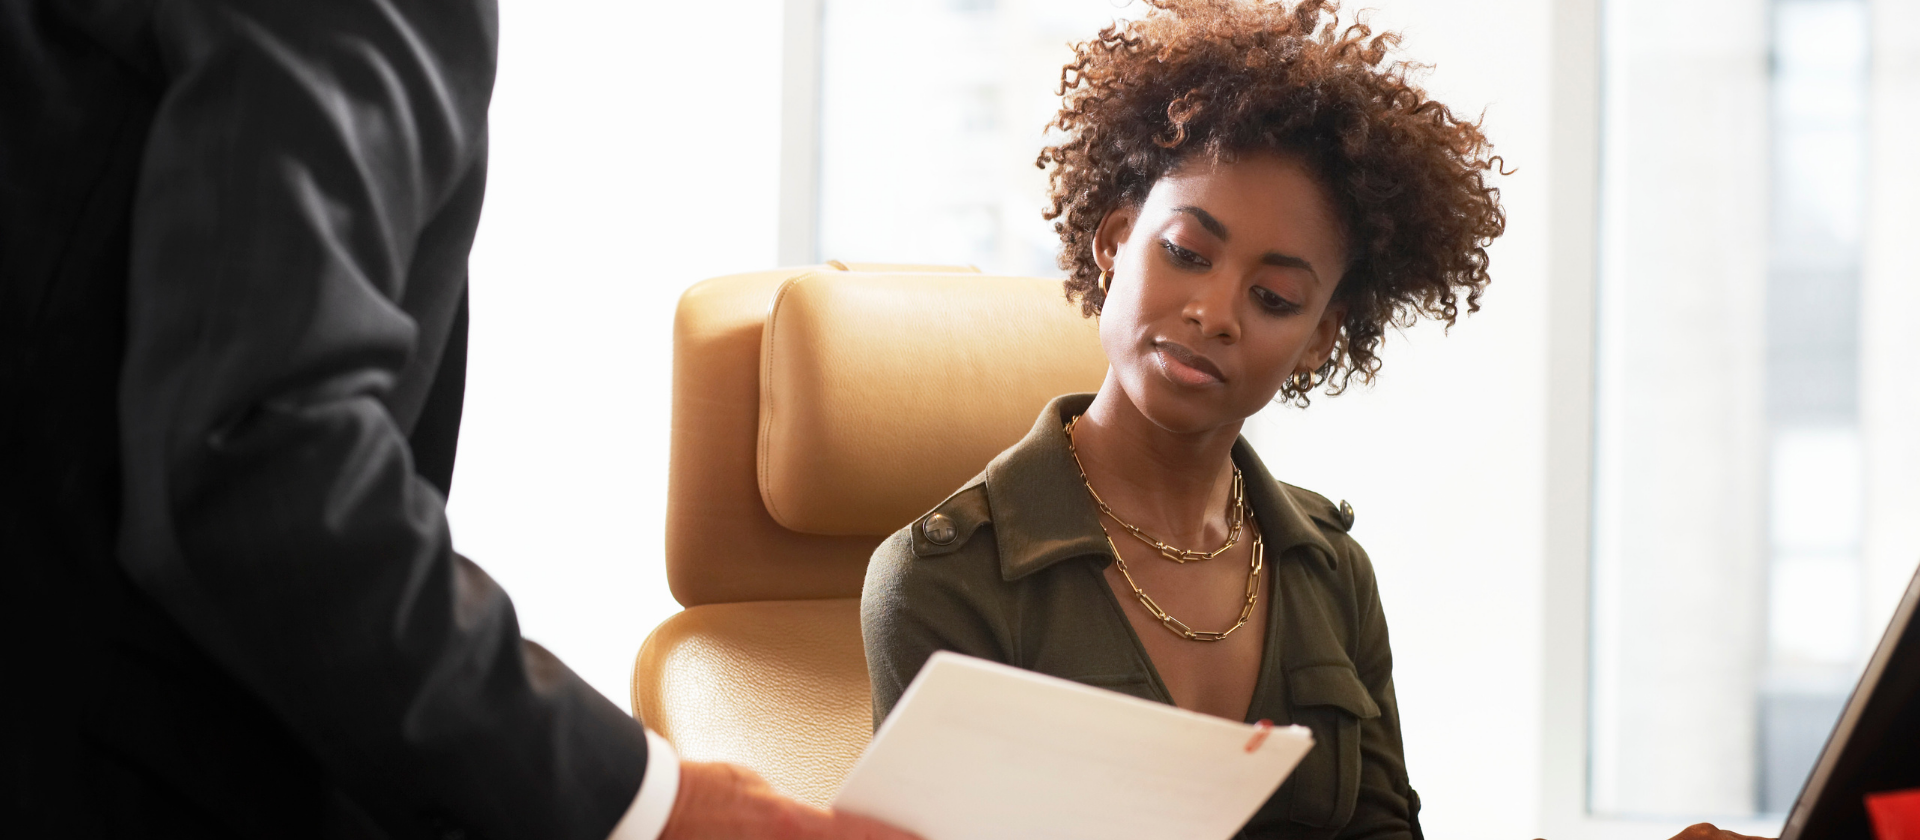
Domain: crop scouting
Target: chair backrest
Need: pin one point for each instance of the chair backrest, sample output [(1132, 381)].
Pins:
[(816, 411)]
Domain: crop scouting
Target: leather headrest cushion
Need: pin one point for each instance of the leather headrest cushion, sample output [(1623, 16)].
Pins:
[(881, 393), (722, 545)]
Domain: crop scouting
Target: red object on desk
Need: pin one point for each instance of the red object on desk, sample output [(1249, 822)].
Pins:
[(1895, 814)]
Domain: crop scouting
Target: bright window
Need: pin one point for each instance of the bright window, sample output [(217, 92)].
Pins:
[(931, 115), (1752, 409)]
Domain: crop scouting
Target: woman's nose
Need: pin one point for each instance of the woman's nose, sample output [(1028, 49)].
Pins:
[(1210, 309)]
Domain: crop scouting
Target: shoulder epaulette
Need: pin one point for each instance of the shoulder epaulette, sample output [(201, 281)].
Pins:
[(951, 523)]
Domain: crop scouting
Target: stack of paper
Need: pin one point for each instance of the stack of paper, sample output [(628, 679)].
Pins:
[(981, 751)]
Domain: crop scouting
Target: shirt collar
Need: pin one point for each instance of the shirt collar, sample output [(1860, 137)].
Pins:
[(1043, 515)]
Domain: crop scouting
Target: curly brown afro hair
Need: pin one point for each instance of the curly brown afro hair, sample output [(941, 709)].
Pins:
[(1228, 77)]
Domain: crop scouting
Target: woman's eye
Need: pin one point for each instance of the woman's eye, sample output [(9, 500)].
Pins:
[(1184, 256), (1274, 302)]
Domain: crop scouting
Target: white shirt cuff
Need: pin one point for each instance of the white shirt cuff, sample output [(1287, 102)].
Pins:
[(653, 803)]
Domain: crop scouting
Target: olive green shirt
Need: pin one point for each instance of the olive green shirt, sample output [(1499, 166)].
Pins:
[(1019, 579)]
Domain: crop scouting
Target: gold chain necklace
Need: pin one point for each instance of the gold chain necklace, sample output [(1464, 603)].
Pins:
[(1174, 625), (1236, 518)]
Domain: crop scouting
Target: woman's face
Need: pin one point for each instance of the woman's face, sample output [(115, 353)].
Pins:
[(1220, 289)]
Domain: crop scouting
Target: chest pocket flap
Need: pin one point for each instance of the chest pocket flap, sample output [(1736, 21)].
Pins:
[(1332, 685), (1330, 700)]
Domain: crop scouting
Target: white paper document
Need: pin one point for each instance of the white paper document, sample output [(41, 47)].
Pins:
[(976, 750)]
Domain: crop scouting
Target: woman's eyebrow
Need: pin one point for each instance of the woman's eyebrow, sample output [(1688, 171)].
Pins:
[(1275, 258), (1207, 221)]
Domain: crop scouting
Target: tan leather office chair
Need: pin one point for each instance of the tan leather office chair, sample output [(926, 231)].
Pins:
[(815, 411)]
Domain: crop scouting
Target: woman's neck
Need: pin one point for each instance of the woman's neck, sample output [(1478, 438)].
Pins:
[(1174, 486)]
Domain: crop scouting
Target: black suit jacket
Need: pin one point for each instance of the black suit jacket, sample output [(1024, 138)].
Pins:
[(232, 336)]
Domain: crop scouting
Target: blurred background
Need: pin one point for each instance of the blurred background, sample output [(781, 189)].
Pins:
[(1637, 523)]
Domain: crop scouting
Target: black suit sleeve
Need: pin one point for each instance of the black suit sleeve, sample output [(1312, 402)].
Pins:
[(313, 169)]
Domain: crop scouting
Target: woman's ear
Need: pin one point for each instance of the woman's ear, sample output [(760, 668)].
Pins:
[(1112, 233), (1325, 334)]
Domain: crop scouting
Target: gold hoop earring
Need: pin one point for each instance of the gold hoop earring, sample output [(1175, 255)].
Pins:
[(1106, 279), (1303, 382)]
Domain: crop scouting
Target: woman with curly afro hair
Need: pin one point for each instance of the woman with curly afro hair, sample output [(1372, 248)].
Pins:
[(1247, 195)]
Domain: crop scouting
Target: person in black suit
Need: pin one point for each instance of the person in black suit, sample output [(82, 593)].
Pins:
[(233, 318)]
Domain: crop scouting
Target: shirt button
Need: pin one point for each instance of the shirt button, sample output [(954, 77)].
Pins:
[(939, 529), (1346, 514)]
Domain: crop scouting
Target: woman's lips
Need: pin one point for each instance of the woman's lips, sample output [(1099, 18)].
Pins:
[(1185, 366)]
